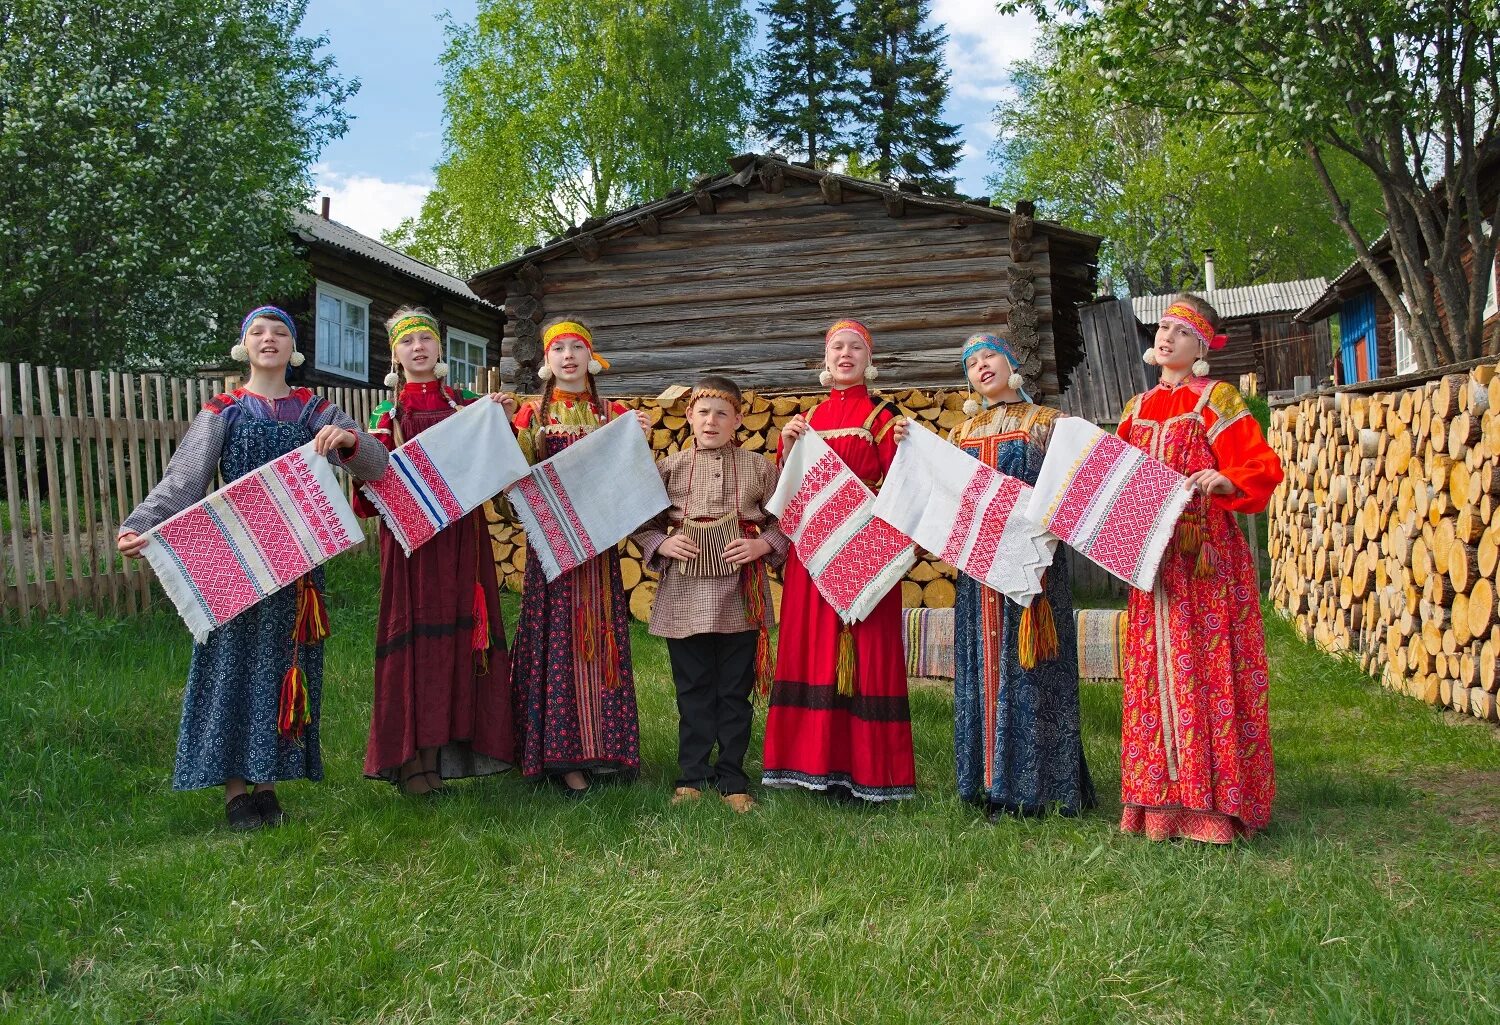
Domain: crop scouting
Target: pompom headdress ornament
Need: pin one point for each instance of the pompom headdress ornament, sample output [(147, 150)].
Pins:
[(241, 352), (405, 328), (994, 343), (1184, 313), (857, 329), (570, 329)]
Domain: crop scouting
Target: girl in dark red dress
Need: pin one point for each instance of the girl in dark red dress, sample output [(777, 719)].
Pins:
[(574, 688), (1196, 752), (442, 704), (857, 745)]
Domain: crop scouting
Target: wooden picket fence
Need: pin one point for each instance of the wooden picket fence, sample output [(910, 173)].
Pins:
[(81, 449)]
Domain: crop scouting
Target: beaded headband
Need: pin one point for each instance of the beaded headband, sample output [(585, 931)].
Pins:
[(994, 343), (1185, 314), (850, 325), (411, 325), (273, 312), (714, 393)]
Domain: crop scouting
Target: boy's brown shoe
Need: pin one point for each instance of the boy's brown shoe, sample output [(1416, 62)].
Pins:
[(740, 803), (683, 795)]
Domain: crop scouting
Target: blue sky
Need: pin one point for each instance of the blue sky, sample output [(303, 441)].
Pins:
[(382, 168)]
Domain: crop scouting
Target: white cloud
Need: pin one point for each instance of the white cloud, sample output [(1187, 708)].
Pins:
[(366, 203), (982, 45)]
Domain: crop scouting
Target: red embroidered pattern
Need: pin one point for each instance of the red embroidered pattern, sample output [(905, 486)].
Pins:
[(411, 520), (1082, 487), (992, 527), (579, 534), (832, 514), (859, 563), (209, 563), (1121, 539), (421, 462), (963, 525), (552, 532), (317, 511), (278, 543), (818, 477)]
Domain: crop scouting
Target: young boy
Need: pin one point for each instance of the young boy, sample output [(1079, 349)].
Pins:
[(714, 604)]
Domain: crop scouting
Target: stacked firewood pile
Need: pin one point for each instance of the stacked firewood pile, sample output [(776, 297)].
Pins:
[(1384, 538), (930, 584)]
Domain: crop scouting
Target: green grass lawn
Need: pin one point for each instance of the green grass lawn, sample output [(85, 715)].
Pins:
[(1372, 898)]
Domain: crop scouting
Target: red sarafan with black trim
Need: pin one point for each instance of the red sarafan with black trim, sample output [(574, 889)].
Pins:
[(817, 737), (1196, 746)]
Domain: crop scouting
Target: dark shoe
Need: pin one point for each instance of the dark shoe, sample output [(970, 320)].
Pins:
[(269, 808), (243, 814)]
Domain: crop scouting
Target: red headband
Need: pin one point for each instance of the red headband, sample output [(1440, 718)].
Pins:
[(1185, 314), (850, 325)]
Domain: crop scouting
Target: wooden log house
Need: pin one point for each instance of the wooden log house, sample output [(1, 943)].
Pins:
[(743, 272)]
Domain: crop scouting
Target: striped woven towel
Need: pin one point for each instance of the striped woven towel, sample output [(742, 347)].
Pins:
[(853, 557), (929, 642), (589, 496), (443, 474), (1112, 502), (1101, 644), (251, 538)]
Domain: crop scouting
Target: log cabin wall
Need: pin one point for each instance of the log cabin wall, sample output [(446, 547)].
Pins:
[(745, 274), (1384, 537)]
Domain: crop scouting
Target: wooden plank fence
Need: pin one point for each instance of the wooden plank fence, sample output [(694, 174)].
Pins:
[(81, 449)]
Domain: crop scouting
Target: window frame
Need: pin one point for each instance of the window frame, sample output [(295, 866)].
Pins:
[(468, 338), (347, 298)]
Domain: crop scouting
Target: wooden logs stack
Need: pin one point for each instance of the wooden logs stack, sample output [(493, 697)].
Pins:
[(1384, 538), (930, 584)]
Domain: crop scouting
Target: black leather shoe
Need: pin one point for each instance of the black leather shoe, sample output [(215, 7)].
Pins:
[(268, 807), (243, 814)]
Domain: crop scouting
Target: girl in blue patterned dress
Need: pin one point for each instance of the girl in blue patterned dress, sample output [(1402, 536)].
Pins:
[(1015, 698), (230, 735)]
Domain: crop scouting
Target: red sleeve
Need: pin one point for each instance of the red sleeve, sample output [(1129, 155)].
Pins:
[(619, 408), (524, 415), (1242, 453)]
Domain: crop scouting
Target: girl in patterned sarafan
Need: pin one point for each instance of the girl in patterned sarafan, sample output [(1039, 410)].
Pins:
[(839, 720), (442, 707), (1196, 752), (575, 712), (243, 719), (1015, 699)]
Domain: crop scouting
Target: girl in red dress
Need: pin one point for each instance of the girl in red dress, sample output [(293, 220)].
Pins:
[(442, 705), (859, 745), (1196, 751)]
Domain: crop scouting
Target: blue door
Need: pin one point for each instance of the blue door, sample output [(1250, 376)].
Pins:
[(1358, 351)]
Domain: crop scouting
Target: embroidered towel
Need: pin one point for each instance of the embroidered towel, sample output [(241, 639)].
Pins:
[(1112, 502), (444, 473), (1101, 643), (853, 557), (589, 496), (968, 514), (251, 538)]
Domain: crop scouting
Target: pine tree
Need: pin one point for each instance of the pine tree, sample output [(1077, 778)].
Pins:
[(806, 97), (902, 90)]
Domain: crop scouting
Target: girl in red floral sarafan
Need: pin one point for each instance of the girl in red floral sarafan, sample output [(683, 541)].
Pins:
[(575, 712), (442, 705), (1196, 745)]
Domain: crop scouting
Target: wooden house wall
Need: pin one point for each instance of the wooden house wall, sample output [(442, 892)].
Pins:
[(1112, 370), (749, 288), (1286, 349), (387, 289)]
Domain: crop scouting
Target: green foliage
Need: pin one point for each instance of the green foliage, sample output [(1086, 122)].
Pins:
[(151, 153), (558, 110), (502, 902), (903, 86), (1410, 89), (805, 101), (1160, 189)]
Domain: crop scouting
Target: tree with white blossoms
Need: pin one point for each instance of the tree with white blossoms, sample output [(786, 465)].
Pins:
[(151, 155), (1408, 88)]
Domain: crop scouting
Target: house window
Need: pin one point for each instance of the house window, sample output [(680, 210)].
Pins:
[(466, 355), (1492, 299), (1406, 356), (343, 340)]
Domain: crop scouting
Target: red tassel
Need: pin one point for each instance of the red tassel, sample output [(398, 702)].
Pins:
[(293, 717), (479, 638), (312, 615)]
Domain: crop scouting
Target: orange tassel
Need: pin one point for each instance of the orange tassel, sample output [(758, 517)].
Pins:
[(1036, 636), (765, 663), (1190, 530), (292, 717), (1207, 562), (312, 615), (847, 662)]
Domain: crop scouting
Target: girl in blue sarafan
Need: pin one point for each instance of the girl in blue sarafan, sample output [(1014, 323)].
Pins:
[(233, 732), (1015, 698)]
